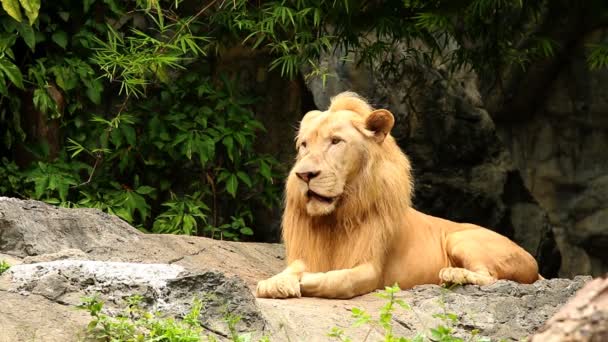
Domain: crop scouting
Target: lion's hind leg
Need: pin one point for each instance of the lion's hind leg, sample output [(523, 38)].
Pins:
[(480, 256)]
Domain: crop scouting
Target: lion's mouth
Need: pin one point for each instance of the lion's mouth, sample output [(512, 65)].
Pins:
[(312, 194)]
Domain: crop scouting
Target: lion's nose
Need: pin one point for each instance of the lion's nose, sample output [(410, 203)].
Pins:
[(308, 175)]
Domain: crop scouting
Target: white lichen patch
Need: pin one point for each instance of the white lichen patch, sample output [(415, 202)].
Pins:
[(95, 274)]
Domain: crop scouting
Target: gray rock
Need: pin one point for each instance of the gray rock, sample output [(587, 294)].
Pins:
[(504, 310), (34, 318), (38, 299), (583, 319), (165, 288), (33, 228)]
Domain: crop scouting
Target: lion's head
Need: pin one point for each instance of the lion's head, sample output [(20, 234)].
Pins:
[(336, 149)]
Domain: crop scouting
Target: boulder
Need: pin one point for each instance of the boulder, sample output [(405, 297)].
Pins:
[(583, 319), (107, 258)]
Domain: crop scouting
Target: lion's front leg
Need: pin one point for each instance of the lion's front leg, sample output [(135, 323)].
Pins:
[(283, 285), (346, 283)]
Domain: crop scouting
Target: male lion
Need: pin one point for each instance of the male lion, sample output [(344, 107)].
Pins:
[(349, 227)]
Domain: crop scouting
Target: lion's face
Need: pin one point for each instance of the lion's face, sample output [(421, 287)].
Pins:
[(332, 149)]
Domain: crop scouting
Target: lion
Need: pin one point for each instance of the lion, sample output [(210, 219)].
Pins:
[(349, 227)]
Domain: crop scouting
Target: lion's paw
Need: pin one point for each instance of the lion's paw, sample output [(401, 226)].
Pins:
[(279, 286), (457, 275)]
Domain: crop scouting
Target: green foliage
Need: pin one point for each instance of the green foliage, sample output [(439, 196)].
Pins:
[(11, 179), (166, 150), (149, 129), (4, 266), (598, 56), (30, 7), (443, 332), (484, 34), (135, 324)]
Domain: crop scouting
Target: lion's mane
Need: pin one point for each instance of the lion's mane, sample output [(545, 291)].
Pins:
[(366, 220)]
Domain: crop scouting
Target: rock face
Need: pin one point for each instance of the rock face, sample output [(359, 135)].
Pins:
[(560, 148), (462, 170), (584, 318), (30, 228), (169, 272)]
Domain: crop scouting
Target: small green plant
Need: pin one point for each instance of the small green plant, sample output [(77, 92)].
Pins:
[(4, 266), (135, 324), (598, 56), (443, 332)]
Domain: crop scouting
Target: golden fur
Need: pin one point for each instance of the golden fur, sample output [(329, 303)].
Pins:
[(348, 224)]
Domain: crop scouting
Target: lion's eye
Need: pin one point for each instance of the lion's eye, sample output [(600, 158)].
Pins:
[(303, 144), (335, 140)]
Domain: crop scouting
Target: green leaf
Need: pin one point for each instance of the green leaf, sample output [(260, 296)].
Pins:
[(12, 72), (189, 223), (60, 38), (86, 5), (40, 186), (135, 202), (94, 90), (245, 178), (246, 231), (205, 149), (12, 8), (74, 146), (240, 138), (28, 35), (231, 184), (229, 143), (114, 7), (63, 188), (145, 190), (31, 7), (6, 42), (65, 16), (129, 134), (265, 171), (65, 77)]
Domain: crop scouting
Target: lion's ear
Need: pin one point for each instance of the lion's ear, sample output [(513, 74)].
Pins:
[(380, 122)]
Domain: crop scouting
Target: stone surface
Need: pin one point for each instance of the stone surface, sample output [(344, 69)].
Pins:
[(37, 231), (32, 228), (38, 299), (34, 318), (71, 253), (582, 319), (169, 289), (504, 310), (462, 170)]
